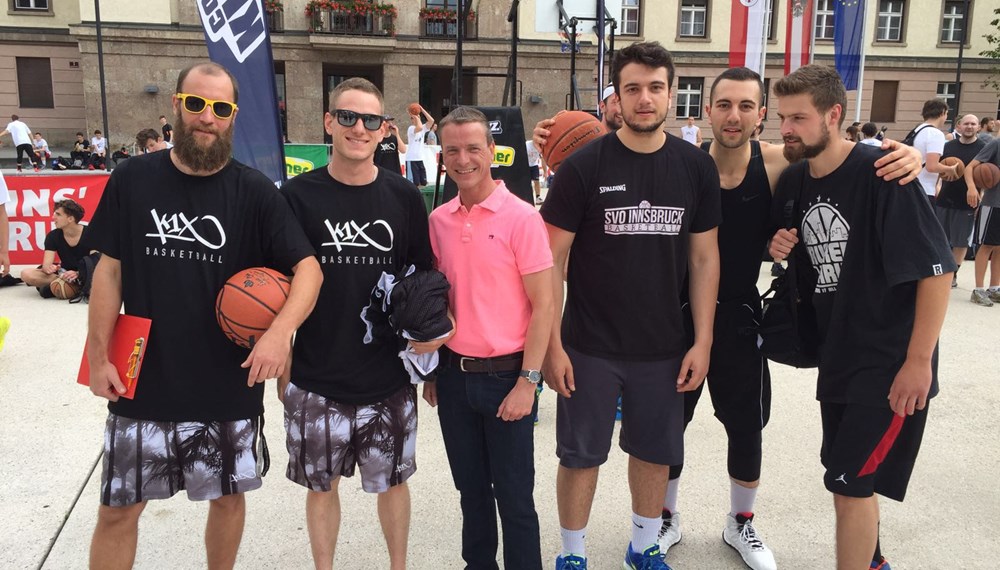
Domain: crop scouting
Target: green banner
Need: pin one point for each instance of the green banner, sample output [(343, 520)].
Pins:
[(301, 158)]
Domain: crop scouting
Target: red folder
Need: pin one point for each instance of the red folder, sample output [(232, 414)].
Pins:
[(126, 351)]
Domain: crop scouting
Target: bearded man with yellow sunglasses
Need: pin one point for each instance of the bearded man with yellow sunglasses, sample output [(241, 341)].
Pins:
[(173, 227)]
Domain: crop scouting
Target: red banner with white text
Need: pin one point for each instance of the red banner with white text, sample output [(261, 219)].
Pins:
[(30, 203)]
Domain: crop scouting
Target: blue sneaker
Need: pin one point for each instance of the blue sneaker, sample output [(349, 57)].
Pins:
[(882, 564), (618, 414), (571, 562), (650, 559)]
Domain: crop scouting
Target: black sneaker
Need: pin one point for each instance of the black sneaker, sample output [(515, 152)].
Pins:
[(46, 292)]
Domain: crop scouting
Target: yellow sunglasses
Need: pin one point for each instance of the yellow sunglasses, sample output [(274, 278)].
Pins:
[(196, 104)]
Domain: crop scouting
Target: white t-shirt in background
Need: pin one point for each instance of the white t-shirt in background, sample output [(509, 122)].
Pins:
[(19, 132), (930, 139)]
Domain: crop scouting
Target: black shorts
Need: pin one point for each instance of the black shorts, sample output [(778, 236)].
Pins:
[(869, 450), (988, 226), (739, 380), (652, 411), (534, 172)]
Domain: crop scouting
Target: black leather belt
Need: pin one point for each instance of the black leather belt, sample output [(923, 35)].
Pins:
[(505, 363)]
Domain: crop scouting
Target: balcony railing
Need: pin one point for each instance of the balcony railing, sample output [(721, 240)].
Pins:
[(276, 21), (352, 23), (447, 28)]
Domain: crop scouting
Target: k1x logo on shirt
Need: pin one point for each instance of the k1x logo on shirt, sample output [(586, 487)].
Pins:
[(377, 234), (206, 230)]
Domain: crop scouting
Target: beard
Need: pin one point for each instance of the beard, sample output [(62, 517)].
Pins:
[(807, 151), (614, 123), (199, 158), (639, 128)]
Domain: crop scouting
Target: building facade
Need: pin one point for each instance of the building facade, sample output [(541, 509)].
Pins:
[(51, 72)]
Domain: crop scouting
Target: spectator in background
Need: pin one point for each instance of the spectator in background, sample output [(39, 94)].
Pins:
[(148, 140), (987, 129), (929, 140), (432, 138), (98, 150), (853, 133), (956, 214), (41, 149), (167, 129), (388, 149), (415, 137), (80, 155), (68, 241), (691, 133), (22, 141), (868, 132)]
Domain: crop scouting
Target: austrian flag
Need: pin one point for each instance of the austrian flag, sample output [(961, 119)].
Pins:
[(748, 34), (799, 36)]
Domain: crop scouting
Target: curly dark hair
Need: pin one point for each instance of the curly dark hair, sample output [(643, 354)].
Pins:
[(71, 208)]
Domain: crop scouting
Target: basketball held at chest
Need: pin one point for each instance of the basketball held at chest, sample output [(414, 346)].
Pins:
[(572, 131), (248, 302), (957, 163), (986, 175)]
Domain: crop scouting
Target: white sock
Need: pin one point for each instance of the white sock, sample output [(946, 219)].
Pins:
[(741, 498), (644, 531), (573, 541), (997, 288), (670, 502), (980, 289)]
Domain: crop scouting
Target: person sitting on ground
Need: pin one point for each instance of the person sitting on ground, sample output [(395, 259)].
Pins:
[(98, 150), (41, 149), (80, 155), (148, 140), (68, 240)]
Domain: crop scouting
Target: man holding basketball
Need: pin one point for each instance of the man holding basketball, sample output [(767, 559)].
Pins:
[(349, 404), (173, 227), (987, 226)]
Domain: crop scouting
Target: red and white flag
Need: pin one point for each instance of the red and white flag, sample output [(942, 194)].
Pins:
[(799, 36), (748, 35)]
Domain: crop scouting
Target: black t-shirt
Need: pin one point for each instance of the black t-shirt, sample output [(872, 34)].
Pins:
[(358, 232), (179, 238), (632, 215), (952, 194), (869, 242), (387, 154), (69, 255), (168, 132)]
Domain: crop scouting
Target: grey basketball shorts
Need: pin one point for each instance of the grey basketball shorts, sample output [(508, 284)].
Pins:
[(146, 460), (652, 411), (327, 439)]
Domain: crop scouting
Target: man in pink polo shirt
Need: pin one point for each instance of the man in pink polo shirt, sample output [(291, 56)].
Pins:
[(494, 249)]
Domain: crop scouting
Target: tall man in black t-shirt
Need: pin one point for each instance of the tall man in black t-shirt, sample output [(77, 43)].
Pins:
[(880, 287), (956, 214), (173, 227), (739, 379), (349, 403), (631, 240)]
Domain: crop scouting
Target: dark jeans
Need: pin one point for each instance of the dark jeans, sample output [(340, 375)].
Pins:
[(492, 463), (26, 149)]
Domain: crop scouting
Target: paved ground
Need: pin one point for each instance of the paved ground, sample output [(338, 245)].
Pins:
[(51, 432)]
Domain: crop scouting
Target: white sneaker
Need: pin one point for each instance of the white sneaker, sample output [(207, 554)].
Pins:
[(670, 531), (742, 536)]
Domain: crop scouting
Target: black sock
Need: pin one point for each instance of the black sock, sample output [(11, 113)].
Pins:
[(877, 558)]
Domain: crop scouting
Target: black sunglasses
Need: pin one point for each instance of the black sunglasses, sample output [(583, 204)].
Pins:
[(196, 104), (349, 118)]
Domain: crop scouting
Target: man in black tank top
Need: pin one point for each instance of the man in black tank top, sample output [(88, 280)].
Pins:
[(739, 381)]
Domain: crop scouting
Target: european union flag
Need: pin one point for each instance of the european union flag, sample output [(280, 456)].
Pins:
[(848, 33)]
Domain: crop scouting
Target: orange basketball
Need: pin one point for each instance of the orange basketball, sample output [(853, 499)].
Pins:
[(64, 289), (957, 162), (248, 302), (413, 109), (986, 175), (572, 131)]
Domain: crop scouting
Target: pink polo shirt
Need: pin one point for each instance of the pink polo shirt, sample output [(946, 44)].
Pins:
[(484, 253)]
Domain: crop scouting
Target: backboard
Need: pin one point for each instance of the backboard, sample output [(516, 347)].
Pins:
[(547, 13)]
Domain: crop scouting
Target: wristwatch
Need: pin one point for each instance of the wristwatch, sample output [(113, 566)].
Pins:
[(533, 376)]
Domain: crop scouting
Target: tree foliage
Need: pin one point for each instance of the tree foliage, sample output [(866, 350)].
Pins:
[(993, 39)]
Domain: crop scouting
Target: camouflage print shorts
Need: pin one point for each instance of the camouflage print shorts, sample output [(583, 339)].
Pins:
[(146, 460), (326, 439)]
